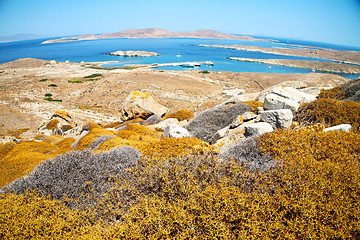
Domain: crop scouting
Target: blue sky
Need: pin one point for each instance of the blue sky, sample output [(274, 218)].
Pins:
[(331, 21)]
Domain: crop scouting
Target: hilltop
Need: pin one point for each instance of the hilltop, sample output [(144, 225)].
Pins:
[(154, 33)]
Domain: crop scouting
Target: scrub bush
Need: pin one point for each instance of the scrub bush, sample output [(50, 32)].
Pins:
[(329, 112), (94, 75), (180, 115), (347, 91), (75, 80), (71, 176), (254, 105), (207, 123), (52, 124), (52, 85)]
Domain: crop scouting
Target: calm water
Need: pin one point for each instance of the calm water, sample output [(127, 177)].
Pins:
[(95, 50)]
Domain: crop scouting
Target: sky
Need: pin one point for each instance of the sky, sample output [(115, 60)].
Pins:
[(329, 21)]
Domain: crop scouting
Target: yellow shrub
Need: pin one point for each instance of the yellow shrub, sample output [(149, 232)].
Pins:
[(65, 143), (18, 132), (5, 148), (142, 130), (125, 134), (38, 136), (23, 158), (329, 112), (180, 115), (33, 217), (94, 133), (53, 139)]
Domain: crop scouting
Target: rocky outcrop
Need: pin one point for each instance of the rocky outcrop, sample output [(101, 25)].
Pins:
[(340, 128), (134, 53), (274, 102), (141, 105), (257, 129), (175, 131), (281, 118)]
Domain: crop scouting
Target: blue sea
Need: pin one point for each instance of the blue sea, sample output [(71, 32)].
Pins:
[(169, 48)]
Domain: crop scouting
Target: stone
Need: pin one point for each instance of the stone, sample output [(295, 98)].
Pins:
[(141, 105), (292, 84), (237, 122), (175, 131), (153, 119), (248, 116), (292, 93), (162, 125), (260, 109), (274, 102), (281, 118), (52, 62), (257, 129), (340, 128), (219, 134), (315, 91)]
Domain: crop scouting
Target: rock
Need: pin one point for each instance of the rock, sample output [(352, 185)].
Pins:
[(355, 97), (237, 122), (257, 129), (52, 62), (315, 91), (134, 53), (15, 102), (248, 116), (162, 125), (153, 119), (219, 134), (281, 118), (243, 98), (175, 131), (74, 132), (260, 109), (292, 84), (340, 128), (233, 92), (141, 105), (274, 102), (292, 93)]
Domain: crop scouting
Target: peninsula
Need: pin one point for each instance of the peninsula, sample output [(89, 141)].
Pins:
[(155, 33), (352, 57), (323, 66)]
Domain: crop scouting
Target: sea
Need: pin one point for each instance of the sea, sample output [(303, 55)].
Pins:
[(172, 50)]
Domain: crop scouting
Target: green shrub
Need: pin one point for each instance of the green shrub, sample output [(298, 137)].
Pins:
[(94, 75), (91, 79), (75, 80), (48, 94), (204, 72), (52, 85), (43, 80)]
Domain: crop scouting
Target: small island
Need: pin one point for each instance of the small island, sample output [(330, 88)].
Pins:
[(134, 54)]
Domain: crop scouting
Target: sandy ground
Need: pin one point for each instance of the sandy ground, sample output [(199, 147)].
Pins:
[(22, 93)]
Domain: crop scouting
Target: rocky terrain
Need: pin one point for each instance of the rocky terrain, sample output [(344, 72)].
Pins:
[(154, 33), (352, 57), (25, 83), (332, 67)]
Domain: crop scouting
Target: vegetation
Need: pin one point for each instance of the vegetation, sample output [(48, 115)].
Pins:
[(204, 72), (300, 183), (94, 75), (43, 80), (254, 105), (75, 80), (180, 115), (329, 112), (91, 79), (52, 85), (48, 94), (50, 99)]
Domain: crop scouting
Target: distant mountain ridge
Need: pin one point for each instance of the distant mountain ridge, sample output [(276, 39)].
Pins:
[(21, 37), (155, 33)]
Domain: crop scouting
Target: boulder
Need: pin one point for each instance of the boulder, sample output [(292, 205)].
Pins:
[(340, 128), (154, 119), (175, 131), (237, 122), (315, 91), (141, 105), (291, 84), (292, 93), (257, 129), (274, 102), (281, 118), (233, 92), (162, 125), (219, 134)]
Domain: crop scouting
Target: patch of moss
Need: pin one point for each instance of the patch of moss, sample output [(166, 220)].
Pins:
[(52, 85), (43, 80), (75, 80)]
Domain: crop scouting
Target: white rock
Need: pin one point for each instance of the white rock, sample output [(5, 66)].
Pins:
[(175, 131), (162, 125), (340, 128), (233, 92), (292, 93), (292, 84), (281, 118), (315, 91), (219, 134), (257, 129), (274, 102)]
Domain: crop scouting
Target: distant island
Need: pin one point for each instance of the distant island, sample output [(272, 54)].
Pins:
[(155, 33)]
